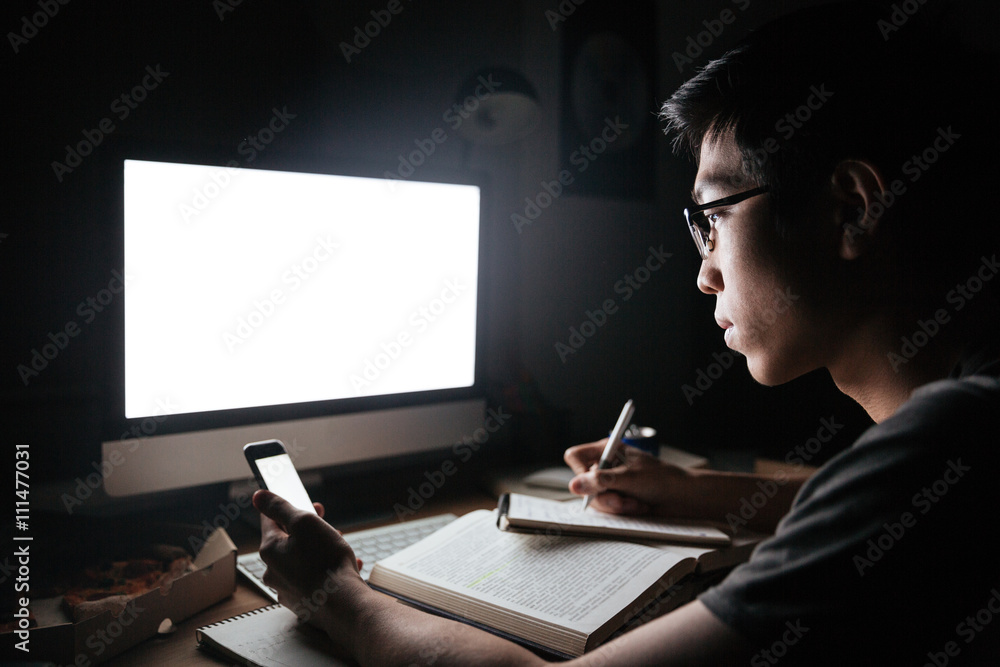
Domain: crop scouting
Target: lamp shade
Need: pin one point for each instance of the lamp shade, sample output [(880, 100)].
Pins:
[(498, 105)]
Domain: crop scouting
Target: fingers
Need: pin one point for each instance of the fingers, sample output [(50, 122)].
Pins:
[(271, 532), (276, 514), (595, 481), (614, 478), (584, 484), (268, 527), (611, 488), (273, 506), (606, 500), (616, 503), (581, 457), (271, 578)]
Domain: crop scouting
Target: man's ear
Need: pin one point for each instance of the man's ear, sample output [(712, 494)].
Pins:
[(858, 187)]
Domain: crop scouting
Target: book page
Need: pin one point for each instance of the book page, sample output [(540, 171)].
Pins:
[(543, 511), (572, 582)]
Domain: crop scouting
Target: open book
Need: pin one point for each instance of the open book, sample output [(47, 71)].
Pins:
[(527, 513), (565, 594), (561, 594)]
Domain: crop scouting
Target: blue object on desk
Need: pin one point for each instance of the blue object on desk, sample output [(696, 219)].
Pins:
[(642, 437)]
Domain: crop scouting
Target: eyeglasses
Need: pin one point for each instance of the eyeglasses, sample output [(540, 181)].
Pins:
[(701, 228)]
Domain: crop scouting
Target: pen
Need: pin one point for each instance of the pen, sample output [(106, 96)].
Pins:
[(614, 442)]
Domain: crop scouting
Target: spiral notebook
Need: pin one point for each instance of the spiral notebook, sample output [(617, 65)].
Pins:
[(267, 637)]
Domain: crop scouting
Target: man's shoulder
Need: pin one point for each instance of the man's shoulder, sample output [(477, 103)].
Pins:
[(944, 422), (880, 530), (978, 382), (948, 410)]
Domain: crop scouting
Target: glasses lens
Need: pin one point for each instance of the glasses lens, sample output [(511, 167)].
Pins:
[(699, 232), (699, 241), (700, 220)]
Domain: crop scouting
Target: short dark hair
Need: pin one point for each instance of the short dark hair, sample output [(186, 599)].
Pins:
[(867, 80)]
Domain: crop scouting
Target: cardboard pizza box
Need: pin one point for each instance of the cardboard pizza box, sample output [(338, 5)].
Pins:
[(99, 638)]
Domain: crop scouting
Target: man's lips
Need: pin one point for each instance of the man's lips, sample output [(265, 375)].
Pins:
[(728, 326)]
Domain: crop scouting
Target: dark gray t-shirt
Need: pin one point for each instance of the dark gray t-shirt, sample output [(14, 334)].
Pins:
[(889, 555)]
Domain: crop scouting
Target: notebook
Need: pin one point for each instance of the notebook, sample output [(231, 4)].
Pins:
[(268, 637), (518, 512)]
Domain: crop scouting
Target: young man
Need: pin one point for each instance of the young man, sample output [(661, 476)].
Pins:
[(839, 157)]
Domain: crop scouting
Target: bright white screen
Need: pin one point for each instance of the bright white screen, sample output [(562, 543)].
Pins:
[(281, 477), (248, 288)]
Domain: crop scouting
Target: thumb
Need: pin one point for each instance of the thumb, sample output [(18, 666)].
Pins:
[(274, 507), (596, 481), (612, 478)]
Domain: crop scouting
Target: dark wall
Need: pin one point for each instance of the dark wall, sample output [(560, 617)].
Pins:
[(661, 344), (217, 73)]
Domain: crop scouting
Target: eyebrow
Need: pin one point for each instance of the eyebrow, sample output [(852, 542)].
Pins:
[(710, 181)]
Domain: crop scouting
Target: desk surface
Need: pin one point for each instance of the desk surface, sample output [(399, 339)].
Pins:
[(181, 647)]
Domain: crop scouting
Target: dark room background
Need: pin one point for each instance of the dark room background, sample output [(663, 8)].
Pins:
[(218, 71)]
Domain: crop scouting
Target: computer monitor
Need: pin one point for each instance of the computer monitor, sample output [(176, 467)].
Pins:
[(337, 312)]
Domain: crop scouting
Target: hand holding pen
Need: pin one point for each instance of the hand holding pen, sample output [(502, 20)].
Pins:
[(614, 443)]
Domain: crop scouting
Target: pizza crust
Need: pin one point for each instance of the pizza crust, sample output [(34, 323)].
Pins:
[(110, 587)]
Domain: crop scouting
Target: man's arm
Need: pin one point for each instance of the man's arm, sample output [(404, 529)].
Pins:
[(316, 575), (691, 635), (392, 633), (642, 484)]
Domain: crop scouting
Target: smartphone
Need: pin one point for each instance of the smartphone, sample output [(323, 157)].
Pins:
[(275, 472)]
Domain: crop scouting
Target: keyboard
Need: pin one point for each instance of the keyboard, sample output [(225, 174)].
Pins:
[(369, 545)]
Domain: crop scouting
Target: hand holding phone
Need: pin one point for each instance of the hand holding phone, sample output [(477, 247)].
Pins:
[(275, 472)]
